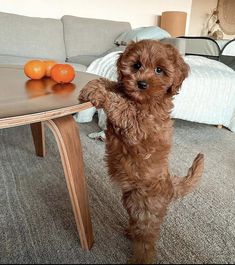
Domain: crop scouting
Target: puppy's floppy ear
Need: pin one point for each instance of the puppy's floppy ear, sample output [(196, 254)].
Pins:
[(123, 55), (119, 67), (181, 69)]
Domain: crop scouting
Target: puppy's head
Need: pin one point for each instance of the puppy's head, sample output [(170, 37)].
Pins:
[(150, 69)]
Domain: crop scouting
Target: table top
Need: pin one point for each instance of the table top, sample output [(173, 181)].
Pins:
[(24, 101)]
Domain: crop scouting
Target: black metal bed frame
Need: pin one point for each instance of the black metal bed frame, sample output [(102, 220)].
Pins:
[(233, 40), (203, 38), (228, 60), (220, 51)]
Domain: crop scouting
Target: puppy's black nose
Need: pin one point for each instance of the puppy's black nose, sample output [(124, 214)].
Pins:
[(142, 84)]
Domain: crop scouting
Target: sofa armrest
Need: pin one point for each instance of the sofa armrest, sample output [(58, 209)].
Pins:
[(177, 43)]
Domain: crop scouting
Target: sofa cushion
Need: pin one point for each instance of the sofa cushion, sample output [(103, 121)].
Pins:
[(86, 36), (16, 60), (88, 59), (79, 67), (82, 59), (31, 37)]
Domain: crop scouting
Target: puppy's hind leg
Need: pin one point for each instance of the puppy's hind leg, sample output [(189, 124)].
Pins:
[(144, 227), (144, 251)]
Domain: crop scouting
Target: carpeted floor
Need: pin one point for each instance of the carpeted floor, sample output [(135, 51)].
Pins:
[(36, 220)]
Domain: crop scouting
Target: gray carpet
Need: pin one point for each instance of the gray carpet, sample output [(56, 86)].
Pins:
[(36, 220)]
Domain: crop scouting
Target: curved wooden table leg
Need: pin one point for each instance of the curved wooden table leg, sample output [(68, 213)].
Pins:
[(38, 138), (67, 136)]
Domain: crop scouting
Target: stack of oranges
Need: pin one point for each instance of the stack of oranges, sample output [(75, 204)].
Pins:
[(60, 73)]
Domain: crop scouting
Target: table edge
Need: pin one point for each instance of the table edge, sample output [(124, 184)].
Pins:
[(42, 116)]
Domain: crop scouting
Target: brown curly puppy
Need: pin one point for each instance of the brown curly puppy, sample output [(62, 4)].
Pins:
[(139, 137)]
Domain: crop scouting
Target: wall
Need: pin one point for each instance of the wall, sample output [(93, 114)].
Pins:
[(137, 12), (199, 14)]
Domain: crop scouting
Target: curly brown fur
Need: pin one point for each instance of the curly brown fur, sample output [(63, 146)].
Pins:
[(139, 137)]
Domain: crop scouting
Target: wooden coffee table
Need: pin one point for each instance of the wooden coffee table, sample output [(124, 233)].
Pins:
[(24, 101)]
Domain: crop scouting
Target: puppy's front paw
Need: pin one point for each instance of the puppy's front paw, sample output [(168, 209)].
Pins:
[(87, 91), (94, 92)]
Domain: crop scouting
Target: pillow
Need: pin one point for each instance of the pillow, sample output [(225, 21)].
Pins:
[(154, 33)]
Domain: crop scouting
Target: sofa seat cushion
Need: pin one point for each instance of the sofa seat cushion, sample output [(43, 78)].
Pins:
[(82, 59), (88, 59), (86, 36), (31, 37), (79, 67), (16, 60)]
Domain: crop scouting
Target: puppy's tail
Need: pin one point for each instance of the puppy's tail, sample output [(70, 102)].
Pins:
[(184, 185)]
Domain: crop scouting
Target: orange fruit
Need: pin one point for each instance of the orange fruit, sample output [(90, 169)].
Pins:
[(49, 65), (35, 69), (62, 73)]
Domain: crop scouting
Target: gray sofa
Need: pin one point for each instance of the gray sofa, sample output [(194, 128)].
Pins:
[(75, 40)]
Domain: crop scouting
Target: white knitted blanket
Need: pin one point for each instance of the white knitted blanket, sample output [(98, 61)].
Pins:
[(207, 95)]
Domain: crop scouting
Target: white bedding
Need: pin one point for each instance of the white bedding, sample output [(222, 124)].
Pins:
[(206, 96)]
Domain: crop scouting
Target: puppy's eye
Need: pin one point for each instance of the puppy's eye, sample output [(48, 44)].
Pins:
[(158, 70), (137, 65)]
